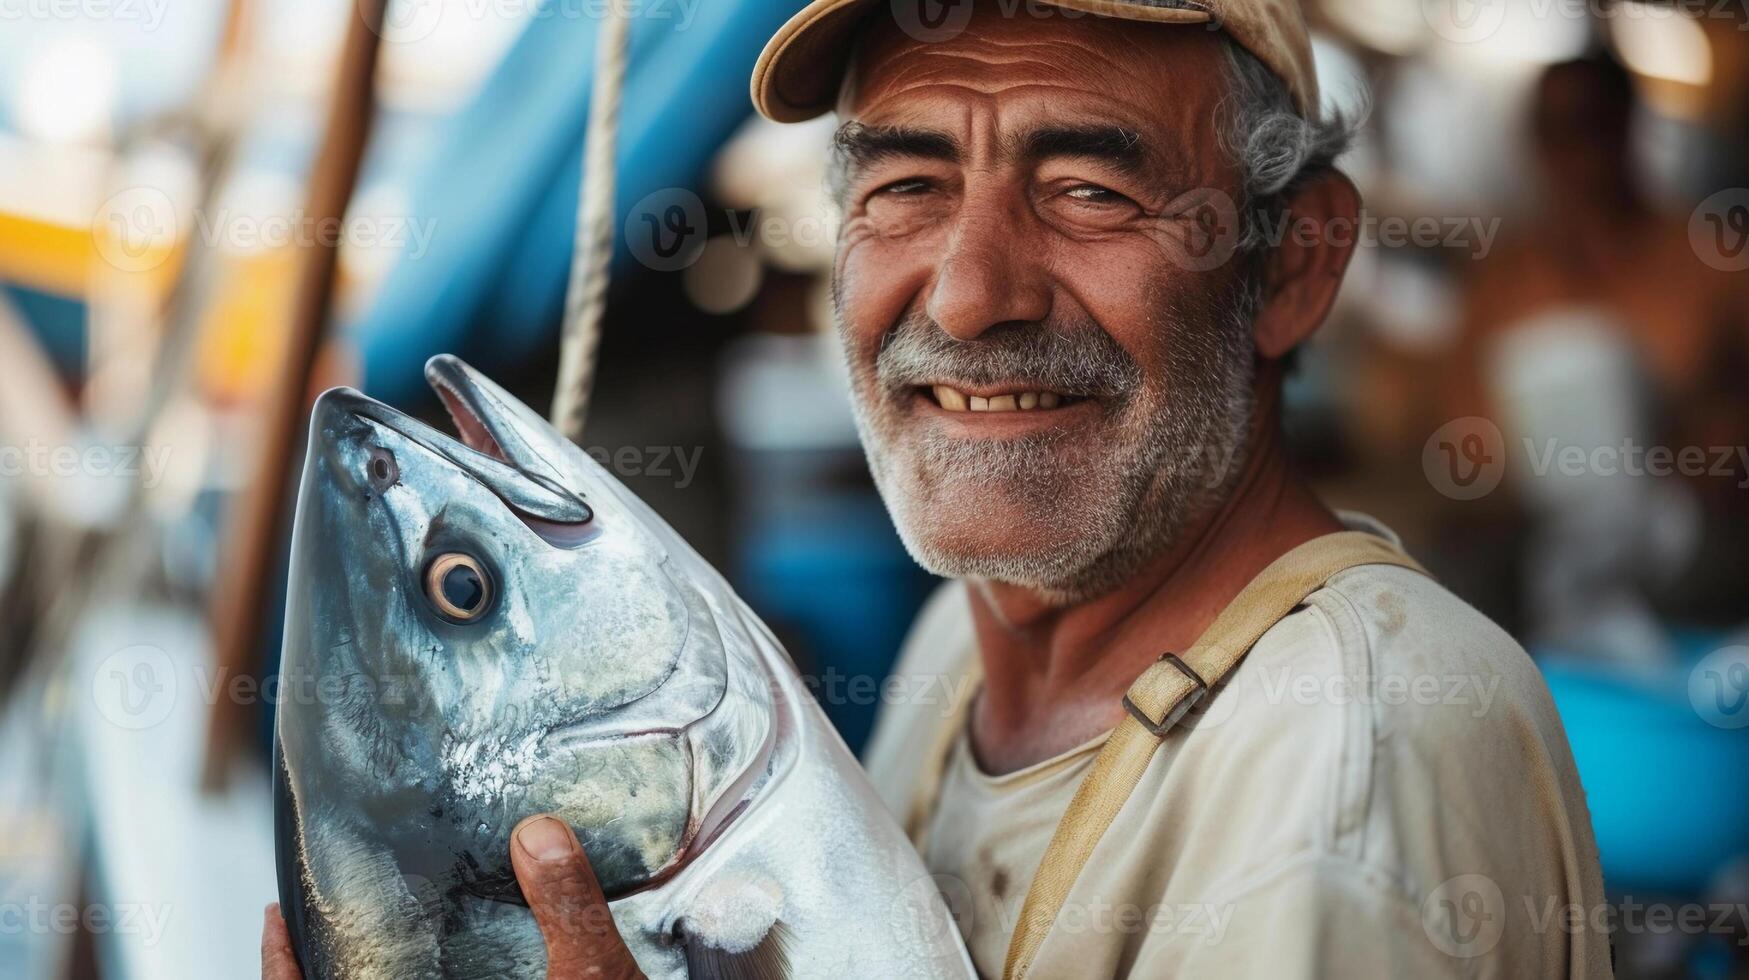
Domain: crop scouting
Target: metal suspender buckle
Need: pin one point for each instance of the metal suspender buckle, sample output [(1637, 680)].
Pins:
[(1179, 710)]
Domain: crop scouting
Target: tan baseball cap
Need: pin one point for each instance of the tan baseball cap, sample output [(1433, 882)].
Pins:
[(798, 74)]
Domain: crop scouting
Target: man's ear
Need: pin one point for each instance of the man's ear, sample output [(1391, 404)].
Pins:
[(1303, 271)]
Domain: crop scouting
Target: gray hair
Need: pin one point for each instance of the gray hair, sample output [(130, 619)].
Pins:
[(1276, 149)]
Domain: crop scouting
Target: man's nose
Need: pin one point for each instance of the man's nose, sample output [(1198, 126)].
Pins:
[(992, 273)]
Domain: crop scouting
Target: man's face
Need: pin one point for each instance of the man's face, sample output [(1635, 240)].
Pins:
[(1051, 376)]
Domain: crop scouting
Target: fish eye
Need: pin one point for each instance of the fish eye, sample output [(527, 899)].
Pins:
[(381, 469), (458, 586)]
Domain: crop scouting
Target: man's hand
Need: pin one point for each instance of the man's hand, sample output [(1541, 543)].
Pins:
[(278, 962), (582, 941)]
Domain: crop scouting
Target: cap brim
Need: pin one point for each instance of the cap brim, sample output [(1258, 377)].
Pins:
[(798, 74)]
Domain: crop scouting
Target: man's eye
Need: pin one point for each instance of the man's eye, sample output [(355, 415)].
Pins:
[(1095, 194), (911, 185)]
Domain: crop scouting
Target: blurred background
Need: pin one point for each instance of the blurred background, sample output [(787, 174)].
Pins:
[(211, 209)]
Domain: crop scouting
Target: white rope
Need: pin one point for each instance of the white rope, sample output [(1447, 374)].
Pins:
[(592, 254)]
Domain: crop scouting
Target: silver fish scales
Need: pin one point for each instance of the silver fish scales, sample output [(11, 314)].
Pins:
[(484, 628)]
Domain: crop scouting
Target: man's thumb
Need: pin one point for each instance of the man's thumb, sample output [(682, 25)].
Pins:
[(567, 903), (278, 962)]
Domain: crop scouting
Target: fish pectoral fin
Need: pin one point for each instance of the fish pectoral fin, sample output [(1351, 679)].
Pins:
[(733, 930), (767, 959)]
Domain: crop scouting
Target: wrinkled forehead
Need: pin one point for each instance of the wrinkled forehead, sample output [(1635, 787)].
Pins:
[(1040, 64)]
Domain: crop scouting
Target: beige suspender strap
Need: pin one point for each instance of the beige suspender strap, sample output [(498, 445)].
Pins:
[(1159, 698), (935, 763)]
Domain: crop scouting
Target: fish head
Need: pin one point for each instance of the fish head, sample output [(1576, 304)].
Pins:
[(486, 627)]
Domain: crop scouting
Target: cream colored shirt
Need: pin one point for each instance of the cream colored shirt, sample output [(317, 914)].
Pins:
[(1381, 789)]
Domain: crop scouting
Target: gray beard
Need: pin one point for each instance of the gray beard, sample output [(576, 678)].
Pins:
[(1172, 449)]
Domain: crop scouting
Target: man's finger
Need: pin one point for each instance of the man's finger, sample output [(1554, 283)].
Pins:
[(278, 962), (568, 904)]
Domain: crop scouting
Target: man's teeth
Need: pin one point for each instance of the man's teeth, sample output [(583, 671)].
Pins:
[(957, 401)]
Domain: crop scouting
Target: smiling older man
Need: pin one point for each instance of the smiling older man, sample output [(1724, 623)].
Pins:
[(1066, 328), (1218, 730)]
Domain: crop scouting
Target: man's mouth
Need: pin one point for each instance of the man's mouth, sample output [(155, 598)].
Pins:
[(997, 398)]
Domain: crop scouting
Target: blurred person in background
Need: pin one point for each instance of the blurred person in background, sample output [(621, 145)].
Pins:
[(1598, 241), (1596, 325)]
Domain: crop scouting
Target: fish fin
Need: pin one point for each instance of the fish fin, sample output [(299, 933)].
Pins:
[(768, 959)]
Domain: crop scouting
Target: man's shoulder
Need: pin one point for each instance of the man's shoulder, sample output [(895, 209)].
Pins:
[(1380, 649), (1375, 745), (1399, 648), (1383, 653), (1385, 643), (1388, 723)]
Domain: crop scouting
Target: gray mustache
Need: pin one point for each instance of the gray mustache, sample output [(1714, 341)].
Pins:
[(1073, 358)]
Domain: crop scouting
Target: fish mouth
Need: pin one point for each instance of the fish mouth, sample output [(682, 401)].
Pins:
[(487, 447), (490, 421)]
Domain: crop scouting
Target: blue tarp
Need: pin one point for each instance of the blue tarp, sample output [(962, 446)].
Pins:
[(501, 187), (1663, 783)]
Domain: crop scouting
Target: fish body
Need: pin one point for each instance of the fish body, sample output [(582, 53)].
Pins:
[(482, 629)]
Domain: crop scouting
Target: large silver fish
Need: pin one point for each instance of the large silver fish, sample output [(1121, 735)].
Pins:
[(484, 629)]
